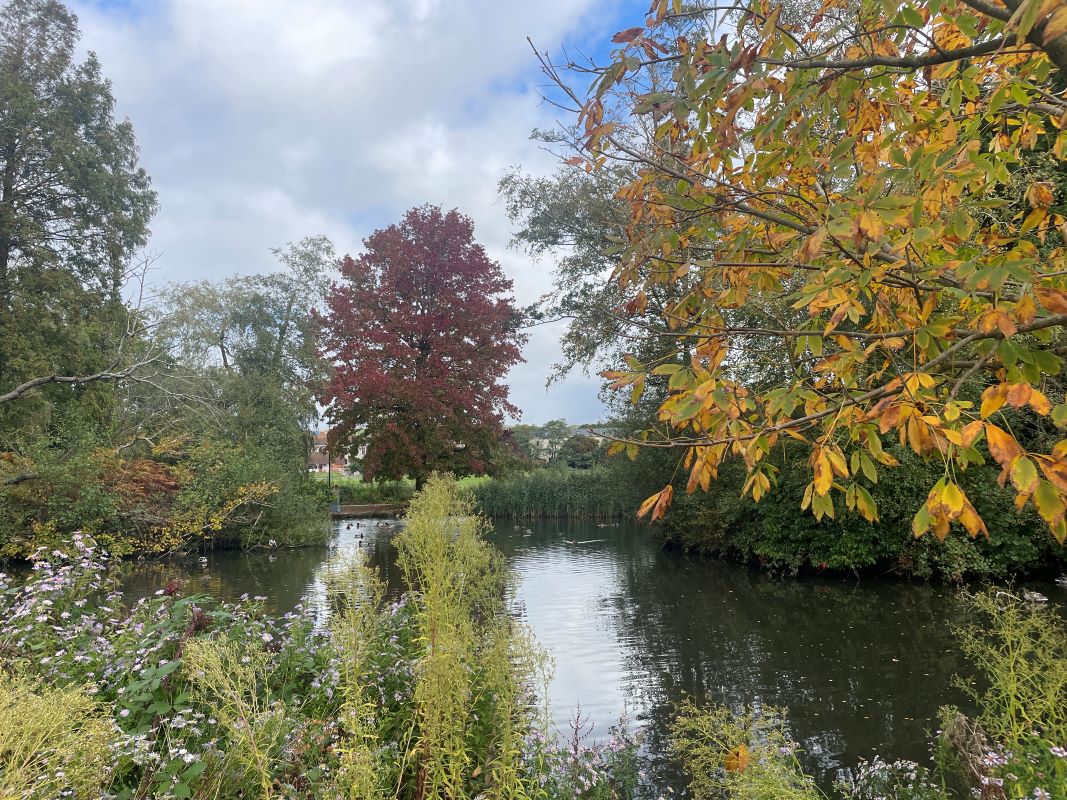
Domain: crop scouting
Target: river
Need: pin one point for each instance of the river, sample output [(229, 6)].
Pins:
[(861, 666)]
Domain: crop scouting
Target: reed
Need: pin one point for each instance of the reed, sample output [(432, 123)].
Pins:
[(556, 493)]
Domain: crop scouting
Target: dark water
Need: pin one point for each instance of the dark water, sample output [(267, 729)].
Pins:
[(862, 667)]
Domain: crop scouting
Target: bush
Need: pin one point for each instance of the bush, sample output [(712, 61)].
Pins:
[(54, 741), (744, 756)]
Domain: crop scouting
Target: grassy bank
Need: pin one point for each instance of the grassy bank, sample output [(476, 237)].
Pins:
[(555, 493), (352, 490)]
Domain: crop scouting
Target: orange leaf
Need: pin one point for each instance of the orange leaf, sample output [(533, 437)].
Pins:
[(970, 432), (1025, 309), (1054, 300), (1039, 194), (628, 35), (813, 246), (737, 759), (1002, 445), (1018, 395)]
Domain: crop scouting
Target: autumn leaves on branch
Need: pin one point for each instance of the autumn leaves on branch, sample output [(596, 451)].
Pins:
[(873, 191)]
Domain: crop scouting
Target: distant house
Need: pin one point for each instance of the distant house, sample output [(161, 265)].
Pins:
[(543, 449), (322, 460)]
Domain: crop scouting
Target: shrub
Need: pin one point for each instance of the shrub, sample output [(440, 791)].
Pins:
[(54, 741), (743, 756)]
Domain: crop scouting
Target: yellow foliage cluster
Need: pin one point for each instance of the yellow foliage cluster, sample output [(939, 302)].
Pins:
[(858, 193), (54, 742)]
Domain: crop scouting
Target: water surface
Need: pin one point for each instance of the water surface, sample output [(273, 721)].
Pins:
[(861, 666)]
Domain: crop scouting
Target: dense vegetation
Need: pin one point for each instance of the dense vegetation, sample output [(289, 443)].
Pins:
[(152, 426), (431, 694)]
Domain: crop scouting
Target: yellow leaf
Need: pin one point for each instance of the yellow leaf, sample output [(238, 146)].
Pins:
[(992, 399), (1049, 502), (1056, 25), (1039, 403), (870, 225), (952, 498), (837, 461), (1024, 474), (824, 474)]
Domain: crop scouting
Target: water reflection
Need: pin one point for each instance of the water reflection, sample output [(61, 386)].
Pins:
[(862, 667)]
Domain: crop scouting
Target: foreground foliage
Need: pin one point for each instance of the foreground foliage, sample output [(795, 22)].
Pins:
[(428, 695), (849, 225)]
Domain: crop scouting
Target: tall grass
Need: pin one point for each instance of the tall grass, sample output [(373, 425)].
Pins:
[(470, 715), (556, 493), (54, 742)]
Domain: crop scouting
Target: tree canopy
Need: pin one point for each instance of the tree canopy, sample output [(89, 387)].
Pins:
[(74, 202), (870, 198), (420, 331)]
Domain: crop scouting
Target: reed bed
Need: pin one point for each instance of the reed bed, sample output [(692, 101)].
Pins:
[(559, 493)]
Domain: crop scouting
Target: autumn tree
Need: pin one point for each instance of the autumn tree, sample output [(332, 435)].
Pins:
[(870, 196), (420, 331)]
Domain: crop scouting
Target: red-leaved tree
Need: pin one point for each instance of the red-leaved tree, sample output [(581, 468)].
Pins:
[(420, 332)]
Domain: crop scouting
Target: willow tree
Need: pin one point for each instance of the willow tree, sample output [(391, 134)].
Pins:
[(871, 195)]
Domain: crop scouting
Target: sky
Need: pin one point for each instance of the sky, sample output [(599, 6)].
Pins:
[(264, 121)]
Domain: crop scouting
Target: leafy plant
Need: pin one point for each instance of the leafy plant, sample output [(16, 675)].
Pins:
[(742, 756), (845, 224)]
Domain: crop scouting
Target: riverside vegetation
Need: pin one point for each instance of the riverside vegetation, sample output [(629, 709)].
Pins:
[(432, 694), (435, 693)]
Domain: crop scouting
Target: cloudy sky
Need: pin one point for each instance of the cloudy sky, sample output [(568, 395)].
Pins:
[(263, 121)]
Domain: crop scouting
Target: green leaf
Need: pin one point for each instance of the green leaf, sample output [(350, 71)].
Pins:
[(1059, 415)]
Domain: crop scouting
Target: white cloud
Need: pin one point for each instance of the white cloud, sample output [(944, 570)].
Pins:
[(262, 121)]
